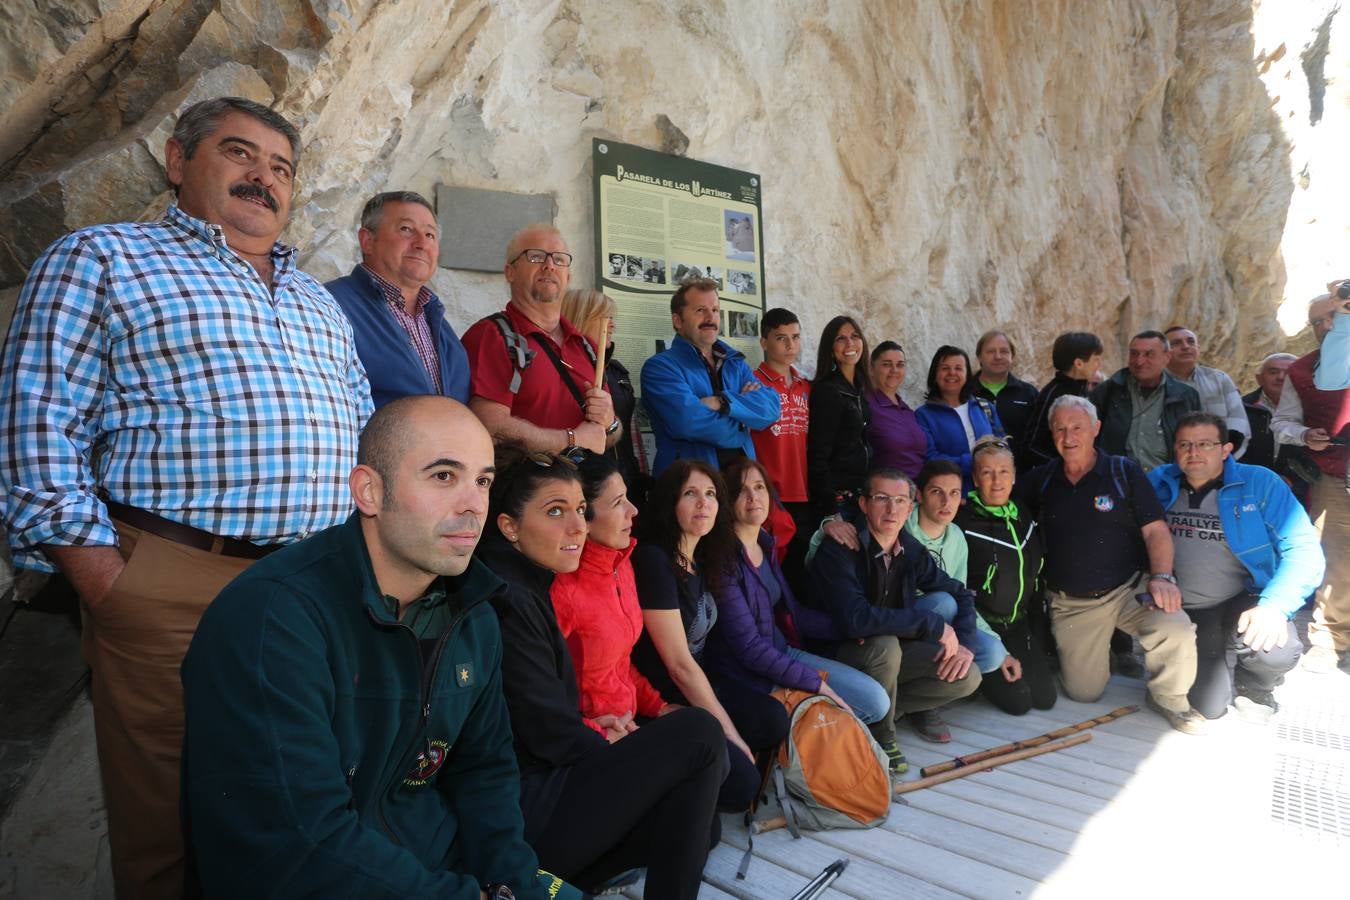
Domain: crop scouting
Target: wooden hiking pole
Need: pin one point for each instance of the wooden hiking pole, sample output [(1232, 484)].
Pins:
[(601, 342), (953, 774), (958, 762), (770, 824)]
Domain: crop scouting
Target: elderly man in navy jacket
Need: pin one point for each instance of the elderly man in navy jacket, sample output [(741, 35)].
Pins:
[(402, 336)]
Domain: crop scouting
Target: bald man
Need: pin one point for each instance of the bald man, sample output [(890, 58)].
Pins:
[(532, 371), (346, 728)]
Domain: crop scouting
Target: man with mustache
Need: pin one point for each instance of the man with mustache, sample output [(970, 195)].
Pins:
[(347, 733), (402, 336), (532, 369), (701, 395), (177, 400)]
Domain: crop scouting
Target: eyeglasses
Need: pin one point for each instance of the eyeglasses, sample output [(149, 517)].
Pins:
[(536, 257), (888, 500), (1202, 446), (999, 443), (571, 457)]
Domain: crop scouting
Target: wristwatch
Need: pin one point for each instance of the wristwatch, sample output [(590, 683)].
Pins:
[(613, 426), (498, 892), (1163, 576)]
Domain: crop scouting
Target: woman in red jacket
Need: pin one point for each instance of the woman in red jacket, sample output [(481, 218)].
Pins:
[(597, 605)]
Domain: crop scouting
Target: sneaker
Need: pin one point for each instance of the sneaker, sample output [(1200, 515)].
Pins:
[(899, 765), (1188, 722), (929, 726), (1320, 660), (1256, 706)]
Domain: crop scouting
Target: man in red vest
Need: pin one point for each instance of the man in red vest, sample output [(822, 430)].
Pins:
[(1320, 421)]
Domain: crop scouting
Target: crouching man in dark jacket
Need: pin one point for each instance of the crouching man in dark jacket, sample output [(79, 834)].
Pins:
[(883, 627), (346, 729)]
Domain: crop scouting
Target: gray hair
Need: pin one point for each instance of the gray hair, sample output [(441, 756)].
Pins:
[(890, 473), (373, 212), (200, 119), (1071, 401)]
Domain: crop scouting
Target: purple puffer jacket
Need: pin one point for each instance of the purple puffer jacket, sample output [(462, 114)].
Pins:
[(746, 644)]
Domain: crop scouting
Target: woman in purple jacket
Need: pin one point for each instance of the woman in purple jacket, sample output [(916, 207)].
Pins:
[(747, 646)]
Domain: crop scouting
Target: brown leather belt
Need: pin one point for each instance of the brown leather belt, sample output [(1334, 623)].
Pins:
[(186, 534)]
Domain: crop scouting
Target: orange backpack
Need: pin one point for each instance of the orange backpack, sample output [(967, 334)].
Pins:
[(830, 773)]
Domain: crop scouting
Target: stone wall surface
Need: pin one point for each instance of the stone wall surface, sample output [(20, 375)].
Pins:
[(933, 167)]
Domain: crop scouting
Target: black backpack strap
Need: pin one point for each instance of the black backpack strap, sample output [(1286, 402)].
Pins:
[(517, 348), (562, 368)]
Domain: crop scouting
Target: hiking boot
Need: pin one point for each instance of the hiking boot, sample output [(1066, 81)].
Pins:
[(899, 765), (1188, 722), (1256, 706), (929, 726), (1320, 660)]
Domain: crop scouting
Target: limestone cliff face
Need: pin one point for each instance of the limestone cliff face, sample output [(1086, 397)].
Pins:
[(936, 168)]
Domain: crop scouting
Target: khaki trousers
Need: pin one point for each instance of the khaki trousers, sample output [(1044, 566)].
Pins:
[(1082, 628), (907, 672), (1329, 507), (134, 643)]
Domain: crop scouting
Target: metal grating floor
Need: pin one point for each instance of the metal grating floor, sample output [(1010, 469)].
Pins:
[(1311, 784)]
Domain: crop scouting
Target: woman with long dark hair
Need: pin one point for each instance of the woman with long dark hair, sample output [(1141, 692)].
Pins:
[(953, 419), (748, 646), (837, 454), (688, 548), (602, 795)]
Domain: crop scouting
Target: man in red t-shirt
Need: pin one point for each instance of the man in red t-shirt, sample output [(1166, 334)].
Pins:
[(550, 404), (781, 448)]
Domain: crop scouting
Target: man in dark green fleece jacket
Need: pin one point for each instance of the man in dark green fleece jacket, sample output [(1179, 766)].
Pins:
[(347, 734)]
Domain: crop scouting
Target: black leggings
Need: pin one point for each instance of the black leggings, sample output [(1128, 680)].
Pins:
[(648, 799), (1036, 687), (1216, 675), (763, 724)]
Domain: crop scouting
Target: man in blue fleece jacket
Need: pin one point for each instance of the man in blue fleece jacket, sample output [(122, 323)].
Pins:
[(1246, 556), (347, 734)]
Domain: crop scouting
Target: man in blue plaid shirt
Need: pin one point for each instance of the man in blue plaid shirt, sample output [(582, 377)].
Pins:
[(176, 399)]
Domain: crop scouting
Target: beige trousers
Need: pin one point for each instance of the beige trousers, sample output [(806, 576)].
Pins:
[(1329, 507), (134, 641), (1082, 628)]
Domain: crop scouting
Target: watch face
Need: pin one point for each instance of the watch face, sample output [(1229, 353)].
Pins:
[(499, 892)]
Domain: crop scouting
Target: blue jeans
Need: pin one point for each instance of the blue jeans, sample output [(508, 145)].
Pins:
[(988, 649), (860, 691)]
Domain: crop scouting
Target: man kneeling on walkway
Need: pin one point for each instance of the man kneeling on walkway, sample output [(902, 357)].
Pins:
[(1246, 556), (347, 734), (872, 595)]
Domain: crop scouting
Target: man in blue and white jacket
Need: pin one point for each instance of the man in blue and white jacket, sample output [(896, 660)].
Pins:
[(1246, 558), (701, 395)]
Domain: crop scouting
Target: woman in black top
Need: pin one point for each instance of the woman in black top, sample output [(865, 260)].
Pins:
[(837, 454), (688, 546), (1004, 570), (602, 796)]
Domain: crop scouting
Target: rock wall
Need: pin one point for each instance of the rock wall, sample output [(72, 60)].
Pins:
[(936, 168)]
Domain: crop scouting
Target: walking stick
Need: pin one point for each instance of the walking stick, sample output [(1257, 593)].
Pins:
[(816, 886), (601, 342), (958, 762), (953, 774)]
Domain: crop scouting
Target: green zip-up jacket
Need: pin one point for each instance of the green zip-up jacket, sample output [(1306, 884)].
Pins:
[(1005, 557), (317, 760)]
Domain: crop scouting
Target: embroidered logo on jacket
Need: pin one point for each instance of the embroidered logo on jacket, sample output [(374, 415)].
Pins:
[(1104, 502), (428, 763), (463, 674)]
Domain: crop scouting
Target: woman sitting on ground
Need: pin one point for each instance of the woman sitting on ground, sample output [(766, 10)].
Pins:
[(597, 605), (599, 796), (954, 418), (1004, 554), (688, 549), (748, 647)]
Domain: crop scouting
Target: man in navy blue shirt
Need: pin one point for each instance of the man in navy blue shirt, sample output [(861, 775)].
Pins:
[(402, 336)]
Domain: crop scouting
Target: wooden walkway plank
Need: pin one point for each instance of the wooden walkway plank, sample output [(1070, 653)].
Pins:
[(958, 810), (978, 843)]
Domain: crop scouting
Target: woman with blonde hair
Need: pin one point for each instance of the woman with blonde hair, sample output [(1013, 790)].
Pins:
[(592, 313)]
